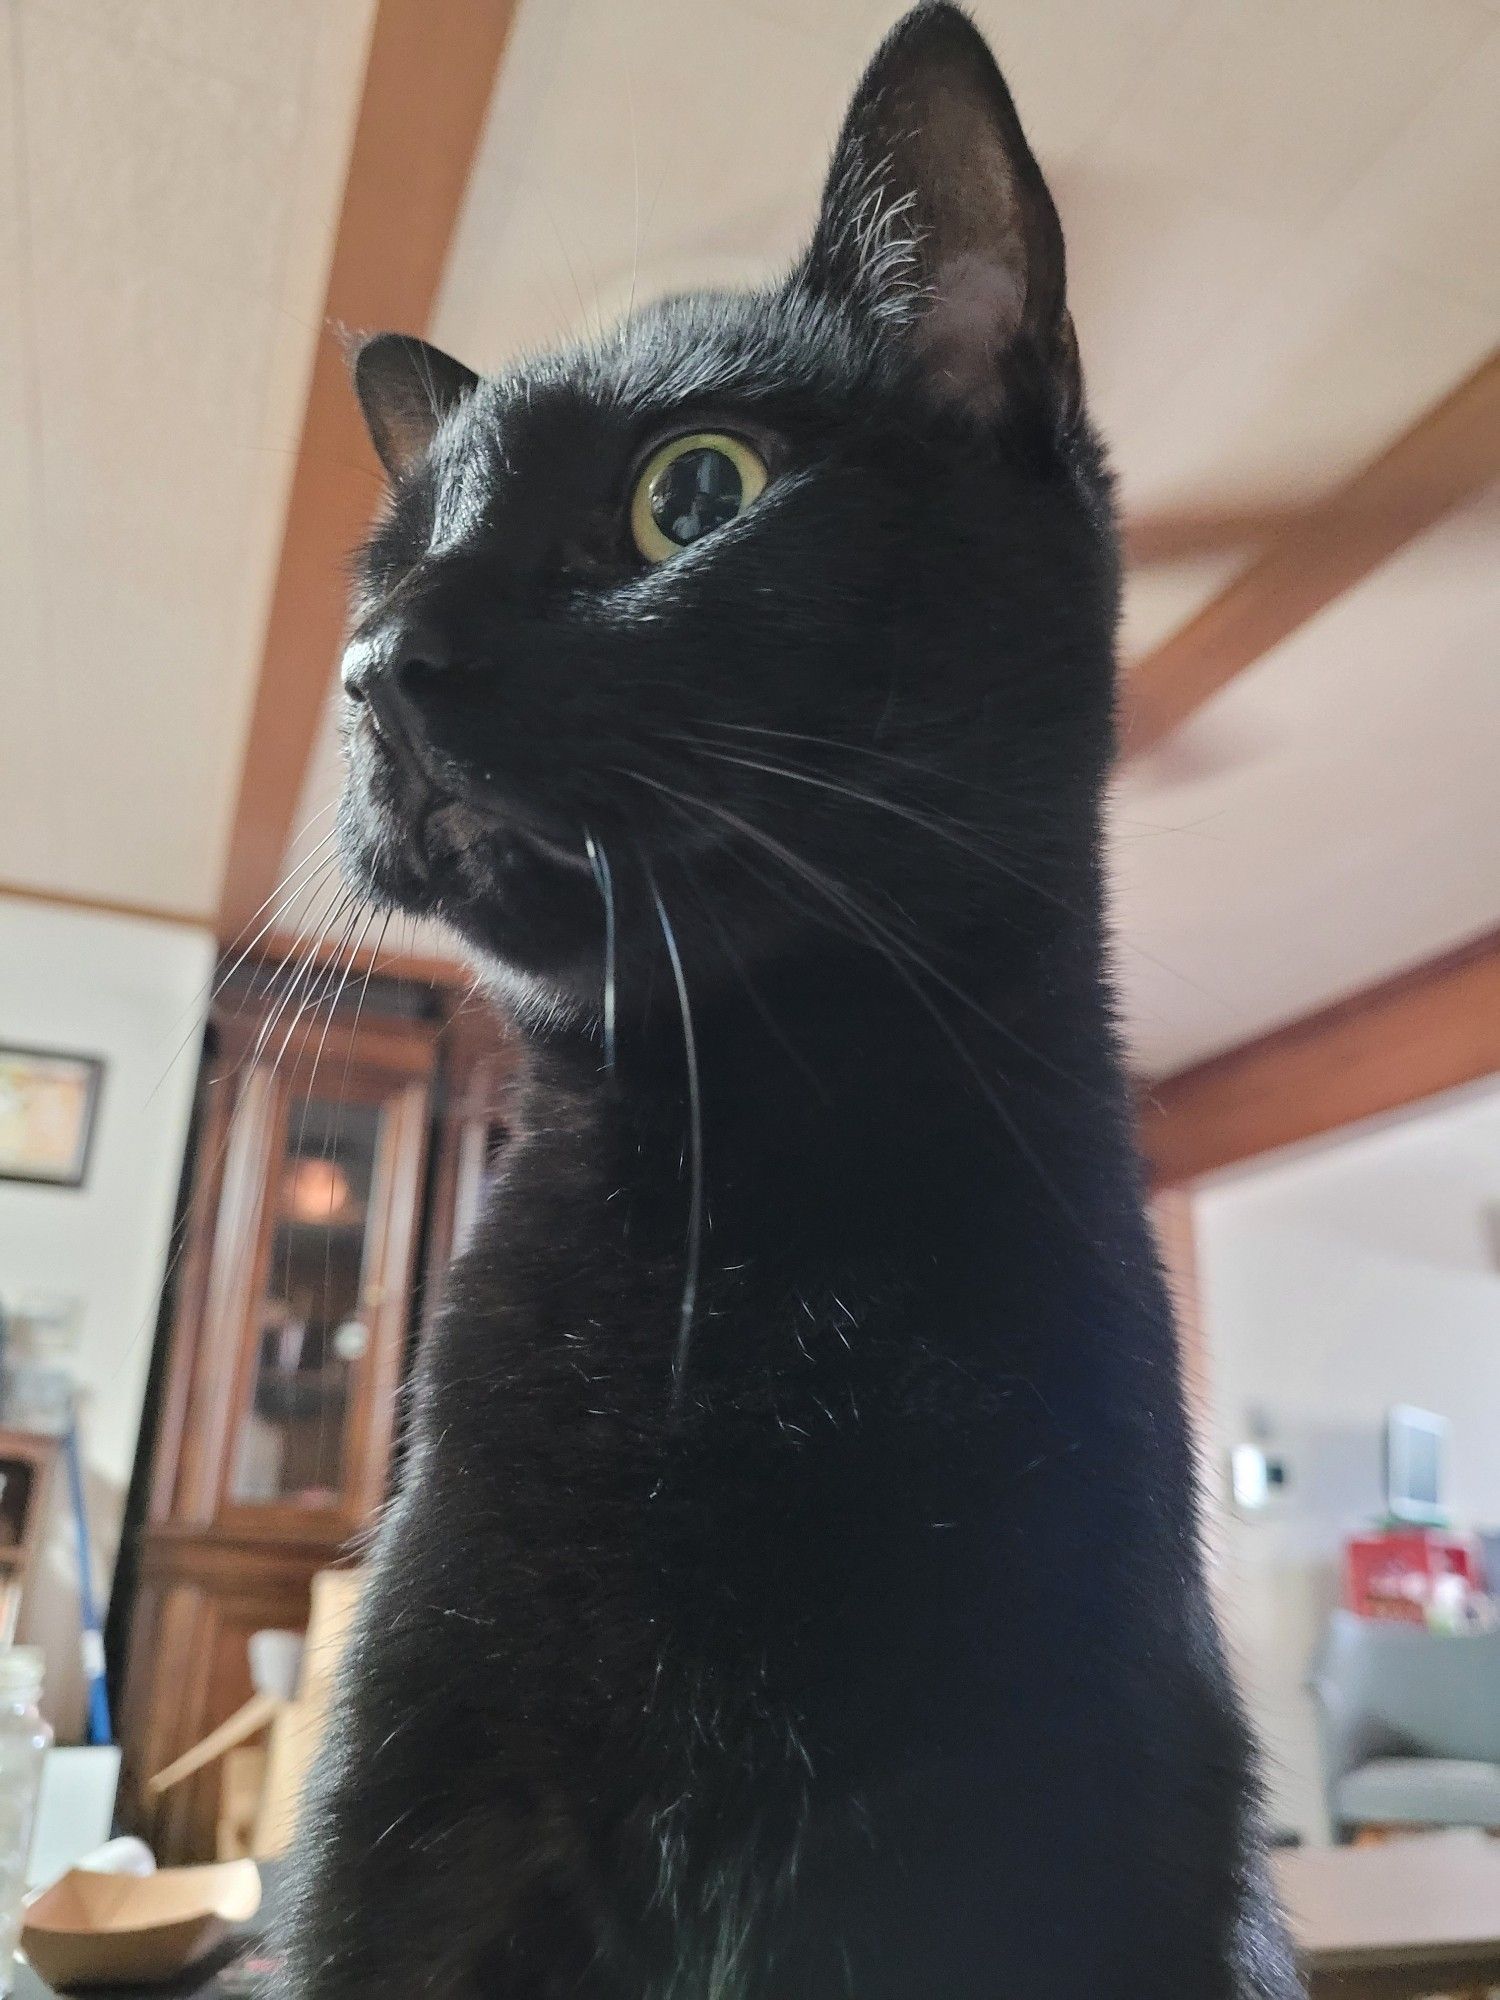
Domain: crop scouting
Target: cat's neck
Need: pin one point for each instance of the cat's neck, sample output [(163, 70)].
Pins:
[(841, 1096)]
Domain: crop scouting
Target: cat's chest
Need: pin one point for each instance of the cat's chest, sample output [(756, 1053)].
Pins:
[(848, 1442), (587, 1307), (823, 1411)]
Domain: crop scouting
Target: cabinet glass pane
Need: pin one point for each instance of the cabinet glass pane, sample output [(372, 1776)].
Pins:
[(310, 1332)]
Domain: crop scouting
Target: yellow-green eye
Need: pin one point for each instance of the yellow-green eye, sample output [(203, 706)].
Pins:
[(690, 487)]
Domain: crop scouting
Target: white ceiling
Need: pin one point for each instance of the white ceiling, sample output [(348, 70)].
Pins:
[(1281, 226), (164, 239), (1331, 817)]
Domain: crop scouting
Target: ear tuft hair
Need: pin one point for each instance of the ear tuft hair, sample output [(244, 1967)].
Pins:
[(936, 222)]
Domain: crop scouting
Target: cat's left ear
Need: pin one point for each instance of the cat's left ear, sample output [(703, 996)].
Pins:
[(405, 388), (936, 218)]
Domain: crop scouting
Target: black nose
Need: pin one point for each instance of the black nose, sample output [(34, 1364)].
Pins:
[(397, 662)]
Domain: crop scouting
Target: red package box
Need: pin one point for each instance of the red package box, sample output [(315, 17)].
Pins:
[(1391, 1575)]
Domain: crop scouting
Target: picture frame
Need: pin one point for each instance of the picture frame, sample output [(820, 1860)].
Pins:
[(49, 1103)]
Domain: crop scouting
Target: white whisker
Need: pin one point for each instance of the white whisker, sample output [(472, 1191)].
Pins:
[(604, 876), (885, 944), (695, 1148), (279, 902)]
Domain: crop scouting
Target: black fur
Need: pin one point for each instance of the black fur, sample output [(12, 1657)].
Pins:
[(844, 1633)]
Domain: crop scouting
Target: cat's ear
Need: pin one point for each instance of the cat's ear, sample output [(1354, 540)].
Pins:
[(405, 388), (936, 218)]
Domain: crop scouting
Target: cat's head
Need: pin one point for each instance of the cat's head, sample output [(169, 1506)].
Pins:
[(787, 608)]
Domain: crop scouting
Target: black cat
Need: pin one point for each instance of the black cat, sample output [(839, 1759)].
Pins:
[(794, 1589)]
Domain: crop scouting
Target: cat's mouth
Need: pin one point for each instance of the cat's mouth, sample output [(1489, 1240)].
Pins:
[(455, 824), (429, 836), (447, 811)]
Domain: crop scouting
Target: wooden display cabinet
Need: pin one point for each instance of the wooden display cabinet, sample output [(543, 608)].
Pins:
[(329, 1181), (26, 1462)]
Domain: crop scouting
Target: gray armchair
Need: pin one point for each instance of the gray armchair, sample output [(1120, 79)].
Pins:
[(1408, 1725)]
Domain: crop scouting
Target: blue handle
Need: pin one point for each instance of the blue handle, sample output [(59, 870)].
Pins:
[(91, 1636)]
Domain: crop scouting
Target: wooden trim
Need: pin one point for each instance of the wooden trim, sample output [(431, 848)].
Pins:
[(107, 906), (239, 1224), (1429, 1030), (1448, 457), (392, 1249), (218, 1102), (309, 1042), (428, 83), (177, 1551), (1172, 1223), (425, 968), (481, 1061)]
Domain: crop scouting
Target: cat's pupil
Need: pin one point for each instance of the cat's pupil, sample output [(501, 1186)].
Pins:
[(699, 490)]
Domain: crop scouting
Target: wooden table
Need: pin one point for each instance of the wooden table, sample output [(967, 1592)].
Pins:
[(1410, 1917)]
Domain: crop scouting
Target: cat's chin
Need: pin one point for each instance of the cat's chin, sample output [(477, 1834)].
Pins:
[(516, 897)]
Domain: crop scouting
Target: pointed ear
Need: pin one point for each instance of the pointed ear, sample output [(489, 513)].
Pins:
[(406, 388), (937, 221)]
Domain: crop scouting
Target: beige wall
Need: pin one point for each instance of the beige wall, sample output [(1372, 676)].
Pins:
[(130, 992), (1332, 1285)]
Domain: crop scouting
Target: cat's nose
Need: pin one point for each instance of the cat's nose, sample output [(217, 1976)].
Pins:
[(395, 664)]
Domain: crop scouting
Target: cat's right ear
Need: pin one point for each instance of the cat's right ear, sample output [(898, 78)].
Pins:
[(405, 388), (937, 224)]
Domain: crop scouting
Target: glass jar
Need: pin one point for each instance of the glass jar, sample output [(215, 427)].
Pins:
[(24, 1741)]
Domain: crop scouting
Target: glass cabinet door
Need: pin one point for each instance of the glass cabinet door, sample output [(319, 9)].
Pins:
[(306, 1314), (310, 1332)]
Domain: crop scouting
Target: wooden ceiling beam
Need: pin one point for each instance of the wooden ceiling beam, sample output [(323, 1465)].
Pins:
[(1428, 1030), (429, 79), (1447, 458)]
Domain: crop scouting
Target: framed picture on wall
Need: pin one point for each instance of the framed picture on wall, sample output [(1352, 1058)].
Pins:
[(48, 1104)]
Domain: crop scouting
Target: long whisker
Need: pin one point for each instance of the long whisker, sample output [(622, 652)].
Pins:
[(943, 825), (280, 893), (263, 978), (293, 971), (280, 899), (273, 975), (286, 894), (695, 1148), (955, 1041), (834, 743), (604, 876), (825, 886), (353, 1037), (757, 1000), (635, 174), (871, 923), (302, 978), (345, 957), (322, 981), (353, 951)]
